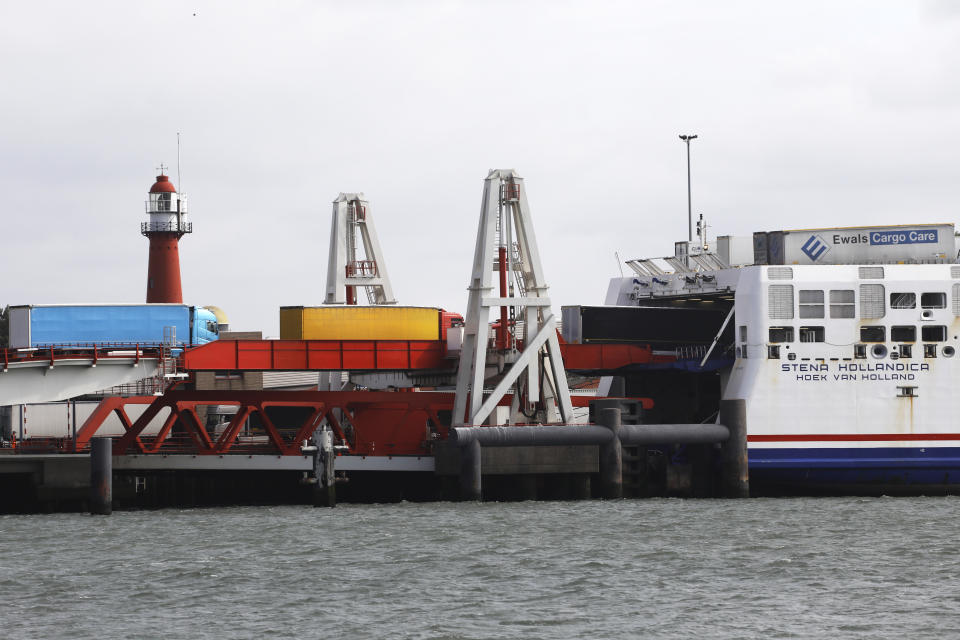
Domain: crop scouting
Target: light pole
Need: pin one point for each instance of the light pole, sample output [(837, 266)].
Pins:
[(687, 139)]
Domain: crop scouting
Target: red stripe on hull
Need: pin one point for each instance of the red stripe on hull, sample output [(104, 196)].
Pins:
[(853, 437)]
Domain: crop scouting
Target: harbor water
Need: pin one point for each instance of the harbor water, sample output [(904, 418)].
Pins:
[(664, 568)]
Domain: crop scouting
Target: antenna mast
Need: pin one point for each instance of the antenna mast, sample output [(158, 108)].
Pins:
[(179, 181)]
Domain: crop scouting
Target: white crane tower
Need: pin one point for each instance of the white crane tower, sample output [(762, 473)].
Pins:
[(525, 353), (346, 268)]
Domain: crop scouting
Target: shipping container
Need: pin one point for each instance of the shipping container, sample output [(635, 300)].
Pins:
[(85, 324), (663, 327), (362, 323), (920, 243), (736, 251)]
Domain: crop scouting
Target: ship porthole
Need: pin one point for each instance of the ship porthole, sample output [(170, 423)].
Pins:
[(948, 352), (879, 351)]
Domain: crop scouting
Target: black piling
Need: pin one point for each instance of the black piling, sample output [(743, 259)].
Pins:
[(471, 488), (618, 387), (325, 489), (611, 456), (101, 476), (736, 476)]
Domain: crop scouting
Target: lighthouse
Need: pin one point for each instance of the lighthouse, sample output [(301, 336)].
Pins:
[(167, 223)]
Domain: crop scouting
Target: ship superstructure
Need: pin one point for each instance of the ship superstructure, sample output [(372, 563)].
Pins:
[(847, 371)]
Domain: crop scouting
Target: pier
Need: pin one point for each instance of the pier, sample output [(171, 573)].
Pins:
[(605, 460)]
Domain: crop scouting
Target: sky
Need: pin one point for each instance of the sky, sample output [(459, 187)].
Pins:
[(808, 114)]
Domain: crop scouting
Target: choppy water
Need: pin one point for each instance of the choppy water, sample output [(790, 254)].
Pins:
[(797, 568)]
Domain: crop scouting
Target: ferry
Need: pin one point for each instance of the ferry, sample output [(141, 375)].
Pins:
[(842, 343)]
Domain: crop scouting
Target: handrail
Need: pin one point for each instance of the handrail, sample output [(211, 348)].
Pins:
[(95, 352), (166, 227)]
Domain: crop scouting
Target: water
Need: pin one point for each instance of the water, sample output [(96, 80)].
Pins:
[(761, 568)]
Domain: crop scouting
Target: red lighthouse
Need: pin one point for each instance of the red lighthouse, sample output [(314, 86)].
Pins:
[(167, 211)]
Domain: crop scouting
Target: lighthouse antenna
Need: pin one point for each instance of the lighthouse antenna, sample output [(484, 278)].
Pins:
[(179, 181)]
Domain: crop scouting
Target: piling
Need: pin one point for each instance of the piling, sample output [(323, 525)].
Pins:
[(325, 489), (736, 476), (101, 476), (611, 456), (470, 487), (618, 387)]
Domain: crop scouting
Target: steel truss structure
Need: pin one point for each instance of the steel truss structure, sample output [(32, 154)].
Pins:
[(346, 270), (533, 364), (367, 422)]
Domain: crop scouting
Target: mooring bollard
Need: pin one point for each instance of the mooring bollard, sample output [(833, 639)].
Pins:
[(470, 472), (736, 474), (101, 476), (611, 456)]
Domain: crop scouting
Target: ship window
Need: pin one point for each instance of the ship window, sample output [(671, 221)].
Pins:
[(933, 300), (781, 334), (903, 334), (841, 303), (811, 303), (906, 351), (859, 351), (929, 351), (903, 301), (871, 301), (743, 333), (811, 334), (873, 334), (773, 352), (780, 300), (933, 333)]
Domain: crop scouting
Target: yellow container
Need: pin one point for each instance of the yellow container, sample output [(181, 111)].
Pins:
[(359, 323)]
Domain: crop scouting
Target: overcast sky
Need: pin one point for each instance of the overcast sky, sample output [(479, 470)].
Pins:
[(808, 114)]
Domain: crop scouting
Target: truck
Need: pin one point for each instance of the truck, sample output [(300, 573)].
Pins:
[(65, 325)]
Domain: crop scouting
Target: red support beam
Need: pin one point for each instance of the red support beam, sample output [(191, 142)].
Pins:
[(103, 411), (163, 433), (318, 355)]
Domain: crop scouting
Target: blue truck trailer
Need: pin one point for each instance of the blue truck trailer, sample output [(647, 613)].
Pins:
[(41, 325)]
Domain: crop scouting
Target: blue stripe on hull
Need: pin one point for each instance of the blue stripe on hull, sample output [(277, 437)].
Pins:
[(844, 469)]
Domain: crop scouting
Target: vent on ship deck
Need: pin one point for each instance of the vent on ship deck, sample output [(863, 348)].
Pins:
[(780, 273)]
